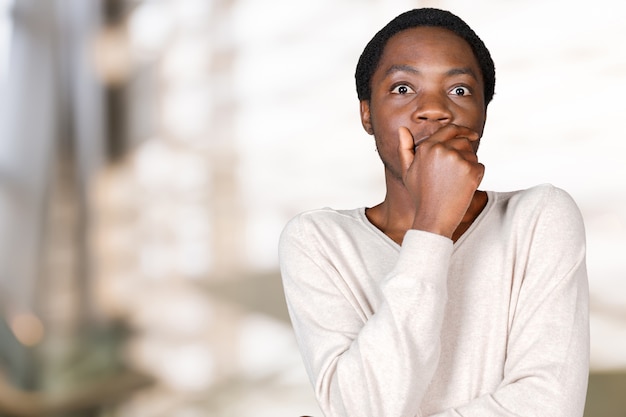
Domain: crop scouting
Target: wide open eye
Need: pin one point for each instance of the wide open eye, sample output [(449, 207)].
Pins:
[(460, 91), (402, 89)]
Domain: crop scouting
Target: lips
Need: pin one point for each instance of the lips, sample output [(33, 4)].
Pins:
[(423, 135), (422, 139)]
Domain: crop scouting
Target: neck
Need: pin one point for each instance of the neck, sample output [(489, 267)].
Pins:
[(395, 215)]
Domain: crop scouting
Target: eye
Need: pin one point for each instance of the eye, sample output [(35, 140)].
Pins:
[(402, 89), (460, 91)]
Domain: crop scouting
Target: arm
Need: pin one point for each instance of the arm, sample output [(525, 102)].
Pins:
[(367, 366), (381, 365), (547, 363)]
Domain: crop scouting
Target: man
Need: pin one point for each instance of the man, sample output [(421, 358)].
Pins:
[(442, 300)]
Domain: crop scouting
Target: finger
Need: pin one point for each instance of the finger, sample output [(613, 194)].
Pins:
[(452, 131), (406, 148), (460, 143), (465, 132), (461, 146)]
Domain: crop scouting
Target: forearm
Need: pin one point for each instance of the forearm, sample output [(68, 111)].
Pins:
[(388, 366), (382, 364)]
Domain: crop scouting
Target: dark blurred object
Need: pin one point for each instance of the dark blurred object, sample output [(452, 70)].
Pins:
[(89, 396), (88, 380), (606, 396)]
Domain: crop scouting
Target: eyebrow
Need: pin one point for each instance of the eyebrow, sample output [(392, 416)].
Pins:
[(449, 73), (401, 68)]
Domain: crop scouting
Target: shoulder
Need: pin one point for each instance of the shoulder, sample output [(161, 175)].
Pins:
[(543, 210), (319, 224), (322, 218), (544, 199), (547, 194), (319, 239)]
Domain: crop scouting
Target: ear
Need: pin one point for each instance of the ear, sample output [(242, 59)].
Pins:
[(366, 117)]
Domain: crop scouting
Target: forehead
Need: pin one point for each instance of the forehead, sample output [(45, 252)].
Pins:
[(424, 45)]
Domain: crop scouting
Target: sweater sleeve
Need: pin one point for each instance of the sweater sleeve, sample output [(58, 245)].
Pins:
[(376, 366), (547, 358)]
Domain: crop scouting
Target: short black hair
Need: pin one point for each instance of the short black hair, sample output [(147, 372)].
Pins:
[(370, 58)]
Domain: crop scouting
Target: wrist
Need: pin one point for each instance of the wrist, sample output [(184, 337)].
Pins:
[(432, 224)]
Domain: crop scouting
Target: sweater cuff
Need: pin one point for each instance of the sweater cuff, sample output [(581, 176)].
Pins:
[(424, 254)]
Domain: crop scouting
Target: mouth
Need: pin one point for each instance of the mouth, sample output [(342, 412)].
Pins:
[(420, 140), (424, 132)]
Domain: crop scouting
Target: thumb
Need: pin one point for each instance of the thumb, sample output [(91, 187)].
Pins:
[(406, 149)]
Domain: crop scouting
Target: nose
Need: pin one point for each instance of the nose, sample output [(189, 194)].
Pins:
[(433, 108)]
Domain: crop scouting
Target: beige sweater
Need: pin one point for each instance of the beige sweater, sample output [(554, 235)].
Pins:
[(495, 324)]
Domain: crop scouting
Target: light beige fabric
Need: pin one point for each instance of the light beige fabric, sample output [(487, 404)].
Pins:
[(495, 324)]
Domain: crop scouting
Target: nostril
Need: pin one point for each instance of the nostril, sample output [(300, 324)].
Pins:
[(433, 119), (432, 112)]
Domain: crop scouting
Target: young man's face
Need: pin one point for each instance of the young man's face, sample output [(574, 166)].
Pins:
[(427, 77)]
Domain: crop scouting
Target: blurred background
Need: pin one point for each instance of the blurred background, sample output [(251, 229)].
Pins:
[(152, 150)]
